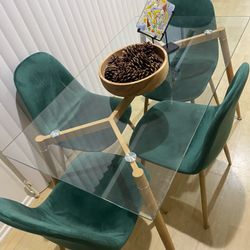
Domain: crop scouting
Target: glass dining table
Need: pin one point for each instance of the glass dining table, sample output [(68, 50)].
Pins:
[(80, 136)]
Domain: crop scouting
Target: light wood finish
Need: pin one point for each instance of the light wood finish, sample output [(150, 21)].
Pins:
[(120, 109), (163, 232), (203, 199), (139, 87), (90, 127), (148, 197), (130, 123), (216, 98), (227, 153), (218, 189), (136, 170), (201, 38)]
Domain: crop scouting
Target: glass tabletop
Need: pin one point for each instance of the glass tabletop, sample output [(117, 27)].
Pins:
[(80, 133)]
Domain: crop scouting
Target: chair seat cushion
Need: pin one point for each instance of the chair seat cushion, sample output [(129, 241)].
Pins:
[(165, 133)]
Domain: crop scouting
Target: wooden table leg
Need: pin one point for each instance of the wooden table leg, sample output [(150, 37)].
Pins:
[(148, 196), (146, 192), (163, 231)]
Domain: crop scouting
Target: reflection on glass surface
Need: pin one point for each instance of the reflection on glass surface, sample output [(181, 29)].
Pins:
[(78, 144)]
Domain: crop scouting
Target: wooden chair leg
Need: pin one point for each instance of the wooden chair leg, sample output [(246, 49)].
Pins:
[(211, 83), (53, 182), (143, 162), (227, 153), (145, 105), (203, 199), (132, 126), (239, 117)]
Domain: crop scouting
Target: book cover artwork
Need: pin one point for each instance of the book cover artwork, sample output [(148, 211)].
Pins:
[(155, 18)]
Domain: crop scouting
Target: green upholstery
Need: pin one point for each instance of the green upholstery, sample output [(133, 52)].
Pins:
[(41, 80), (167, 129), (74, 218), (192, 14), (189, 70)]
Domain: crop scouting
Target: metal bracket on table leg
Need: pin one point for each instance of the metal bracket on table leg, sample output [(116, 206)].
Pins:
[(130, 157), (27, 185), (30, 189), (208, 32)]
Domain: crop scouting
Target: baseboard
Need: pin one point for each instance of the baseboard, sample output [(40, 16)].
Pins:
[(6, 229)]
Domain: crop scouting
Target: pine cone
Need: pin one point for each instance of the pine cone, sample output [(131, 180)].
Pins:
[(136, 62)]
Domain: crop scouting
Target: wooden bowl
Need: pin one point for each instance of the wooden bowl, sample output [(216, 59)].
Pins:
[(139, 87)]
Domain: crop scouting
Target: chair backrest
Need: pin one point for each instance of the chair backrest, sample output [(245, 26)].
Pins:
[(221, 122), (39, 79), (192, 13), (189, 70)]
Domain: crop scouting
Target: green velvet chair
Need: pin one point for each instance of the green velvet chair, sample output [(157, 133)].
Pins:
[(169, 127), (41, 80), (73, 218), (189, 71)]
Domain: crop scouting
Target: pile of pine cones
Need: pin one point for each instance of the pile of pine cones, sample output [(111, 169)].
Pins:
[(136, 62)]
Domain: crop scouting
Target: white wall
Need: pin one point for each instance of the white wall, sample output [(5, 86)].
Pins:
[(74, 31)]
